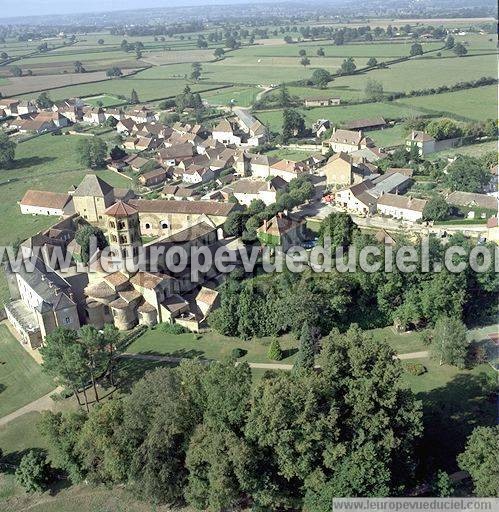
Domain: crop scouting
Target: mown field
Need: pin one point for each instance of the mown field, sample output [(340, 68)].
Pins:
[(342, 113), (476, 104), (240, 96)]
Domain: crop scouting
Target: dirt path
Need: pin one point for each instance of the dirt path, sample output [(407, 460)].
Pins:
[(413, 355), (262, 366), (169, 359), (45, 403)]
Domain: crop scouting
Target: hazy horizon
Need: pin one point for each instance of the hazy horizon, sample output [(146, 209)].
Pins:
[(28, 8)]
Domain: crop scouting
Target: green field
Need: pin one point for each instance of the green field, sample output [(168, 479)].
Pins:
[(422, 73), (475, 104), (342, 113), (21, 378), (242, 96), (104, 100), (45, 163)]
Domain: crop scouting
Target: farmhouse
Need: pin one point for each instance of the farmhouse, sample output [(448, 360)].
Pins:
[(175, 154), (357, 198), (472, 200), (401, 207), (226, 133), (340, 171), (249, 189), (93, 115), (322, 102), (197, 174), (36, 125), (179, 193), (288, 169), (41, 202), (423, 143), (125, 126), (282, 230), (346, 141)]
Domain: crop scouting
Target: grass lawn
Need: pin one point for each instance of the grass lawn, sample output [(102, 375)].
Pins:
[(454, 402), (402, 343), (21, 378), (147, 89), (210, 346), (476, 104), (394, 136), (45, 163), (83, 498)]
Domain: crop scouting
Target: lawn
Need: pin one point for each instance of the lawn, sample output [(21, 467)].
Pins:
[(402, 343), (147, 88), (454, 402), (474, 104), (21, 378), (394, 136), (379, 50), (210, 346), (46, 163)]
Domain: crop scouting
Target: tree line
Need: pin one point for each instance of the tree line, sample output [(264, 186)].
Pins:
[(273, 304)]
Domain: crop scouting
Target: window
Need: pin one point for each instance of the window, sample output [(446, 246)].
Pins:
[(67, 320), (147, 225), (164, 225)]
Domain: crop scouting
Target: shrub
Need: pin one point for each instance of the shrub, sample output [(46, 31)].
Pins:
[(415, 369), (171, 328), (274, 352), (33, 472), (238, 352)]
